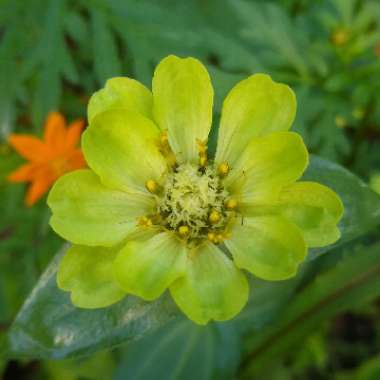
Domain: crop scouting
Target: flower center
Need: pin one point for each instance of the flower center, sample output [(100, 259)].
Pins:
[(193, 197), (193, 202)]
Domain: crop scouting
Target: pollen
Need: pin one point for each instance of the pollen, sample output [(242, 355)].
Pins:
[(202, 160), (231, 204), (164, 138), (144, 221), (192, 201), (223, 169), (183, 231), (214, 217), (211, 236), (164, 148), (151, 185), (202, 147)]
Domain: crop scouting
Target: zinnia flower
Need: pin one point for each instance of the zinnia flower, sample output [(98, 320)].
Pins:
[(154, 212), (49, 158)]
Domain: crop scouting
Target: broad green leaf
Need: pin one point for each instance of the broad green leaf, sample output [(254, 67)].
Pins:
[(49, 326), (361, 204), (100, 366), (352, 283), (182, 350)]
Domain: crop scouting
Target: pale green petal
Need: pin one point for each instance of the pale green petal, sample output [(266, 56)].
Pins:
[(267, 164), (86, 212), (121, 93), (147, 268), (315, 209), (270, 247), (182, 104), (87, 272), (122, 148), (212, 288), (255, 107)]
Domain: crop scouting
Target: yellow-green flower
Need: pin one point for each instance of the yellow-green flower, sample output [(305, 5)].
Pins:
[(155, 212)]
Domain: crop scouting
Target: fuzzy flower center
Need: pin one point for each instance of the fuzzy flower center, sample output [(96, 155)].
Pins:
[(192, 201)]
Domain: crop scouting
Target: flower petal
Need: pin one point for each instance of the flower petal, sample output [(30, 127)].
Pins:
[(267, 164), (270, 247), (37, 189), (87, 272), (24, 173), (73, 133), (121, 93), (86, 212), (212, 288), (147, 268), (255, 107), (122, 148), (182, 104), (315, 209), (75, 160), (29, 147), (55, 130)]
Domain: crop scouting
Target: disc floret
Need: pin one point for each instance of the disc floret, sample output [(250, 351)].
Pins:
[(193, 196)]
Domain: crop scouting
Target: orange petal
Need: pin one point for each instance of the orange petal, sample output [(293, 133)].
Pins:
[(37, 189), (55, 131), (73, 133), (76, 160), (29, 147), (23, 174)]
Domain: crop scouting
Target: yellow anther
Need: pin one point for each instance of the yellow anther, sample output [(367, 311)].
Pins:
[(231, 204), (211, 236), (183, 230), (151, 185), (164, 138), (164, 148), (214, 217), (223, 169), (219, 238), (202, 160), (202, 147), (144, 221)]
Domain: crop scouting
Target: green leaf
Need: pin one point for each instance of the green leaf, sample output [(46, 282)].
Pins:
[(106, 60), (361, 204), (9, 82), (49, 326), (185, 32), (282, 39), (182, 350), (352, 283)]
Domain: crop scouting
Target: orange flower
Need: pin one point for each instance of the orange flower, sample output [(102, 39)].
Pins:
[(48, 158)]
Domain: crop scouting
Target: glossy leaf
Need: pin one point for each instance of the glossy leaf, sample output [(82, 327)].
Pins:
[(354, 282), (49, 326), (361, 204), (182, 350)]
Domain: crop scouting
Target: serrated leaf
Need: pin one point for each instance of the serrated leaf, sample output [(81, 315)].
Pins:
[(49, 326), (185, 32), (52, 60), (106, 60)]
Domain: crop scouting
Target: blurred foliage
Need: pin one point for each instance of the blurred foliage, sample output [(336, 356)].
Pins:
[(323, 324)]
